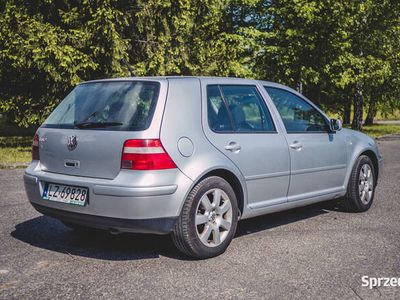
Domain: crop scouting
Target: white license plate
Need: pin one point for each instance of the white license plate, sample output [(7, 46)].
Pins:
[(65, 193)]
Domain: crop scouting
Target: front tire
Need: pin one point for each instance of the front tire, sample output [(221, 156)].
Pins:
[(208, 220), (361, 186)]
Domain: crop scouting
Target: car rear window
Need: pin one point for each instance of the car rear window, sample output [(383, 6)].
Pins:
[(117, 105)]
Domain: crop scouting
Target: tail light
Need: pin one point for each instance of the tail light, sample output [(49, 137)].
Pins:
[(145, 155), (35, 147)]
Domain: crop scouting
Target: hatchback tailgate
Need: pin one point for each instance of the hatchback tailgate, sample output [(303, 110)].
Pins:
[(96, 153)]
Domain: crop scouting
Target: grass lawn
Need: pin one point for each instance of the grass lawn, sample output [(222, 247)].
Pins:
[(394, 115), (380, 116), (16, 150), (11, 156), (378, 130)]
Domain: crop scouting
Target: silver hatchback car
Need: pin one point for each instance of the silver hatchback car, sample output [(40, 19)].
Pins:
[(190, 156)]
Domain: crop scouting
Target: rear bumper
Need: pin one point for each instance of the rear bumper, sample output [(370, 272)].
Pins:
[(133, 201), (157, 226)]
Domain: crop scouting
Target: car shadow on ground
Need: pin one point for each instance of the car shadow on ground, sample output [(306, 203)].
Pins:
[(265, 222), (48, 233)]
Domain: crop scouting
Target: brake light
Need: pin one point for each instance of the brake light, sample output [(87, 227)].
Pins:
[(35, 147), (145, 155)]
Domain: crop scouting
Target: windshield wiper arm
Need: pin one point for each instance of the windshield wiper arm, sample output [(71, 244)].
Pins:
[(93, 114), (83, 125)]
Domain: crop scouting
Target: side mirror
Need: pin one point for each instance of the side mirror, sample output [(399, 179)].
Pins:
[(335, 125)]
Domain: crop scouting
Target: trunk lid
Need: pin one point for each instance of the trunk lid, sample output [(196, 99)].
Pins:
[(111, 113), (96, 153)]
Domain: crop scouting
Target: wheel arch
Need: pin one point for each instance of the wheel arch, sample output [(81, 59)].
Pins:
[(371, 154), (234, 182)]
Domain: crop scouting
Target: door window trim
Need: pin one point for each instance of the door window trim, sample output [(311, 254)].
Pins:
[(262, 102), (306, 101), (233, 125)]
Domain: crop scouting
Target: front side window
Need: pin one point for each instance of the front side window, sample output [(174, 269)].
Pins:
[(297, 115), (237, 108), (118, 105)]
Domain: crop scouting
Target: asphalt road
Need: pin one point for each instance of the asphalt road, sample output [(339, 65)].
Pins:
[(312, 252)]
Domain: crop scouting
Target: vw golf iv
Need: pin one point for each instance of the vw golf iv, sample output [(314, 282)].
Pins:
[(190, 156)]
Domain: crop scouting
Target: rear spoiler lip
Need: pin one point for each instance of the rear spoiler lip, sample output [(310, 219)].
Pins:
[(125, 79)]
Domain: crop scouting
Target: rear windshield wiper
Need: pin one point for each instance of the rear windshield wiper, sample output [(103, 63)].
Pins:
[(83, 125)]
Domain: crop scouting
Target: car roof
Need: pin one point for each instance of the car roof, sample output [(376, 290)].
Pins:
[(208, 78), (202, 78), (166, 77), (224, 80)]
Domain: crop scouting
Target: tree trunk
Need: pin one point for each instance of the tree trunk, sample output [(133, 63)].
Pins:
[(347, 112), (358, 108), (371, 112)]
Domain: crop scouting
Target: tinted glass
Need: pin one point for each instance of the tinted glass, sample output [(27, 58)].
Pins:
[(218, 119), (297, 114), (239, 107), (131, 104)]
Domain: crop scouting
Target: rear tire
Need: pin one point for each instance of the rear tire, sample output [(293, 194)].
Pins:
[(361, 186), (208, 220)]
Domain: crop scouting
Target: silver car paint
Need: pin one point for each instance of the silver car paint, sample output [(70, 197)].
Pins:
[(96, 150), (319, 166), (130, 195), (180, 121), (263, 158), (182, 118)]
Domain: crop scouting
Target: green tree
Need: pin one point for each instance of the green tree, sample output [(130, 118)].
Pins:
[(342, 53), (365, 63), (191, 37), (338, 51), (47, 48), (37, 63), (384, 92)]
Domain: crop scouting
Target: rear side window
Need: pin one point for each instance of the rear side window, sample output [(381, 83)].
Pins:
[(297, 115), (238, 108), (122, 105)]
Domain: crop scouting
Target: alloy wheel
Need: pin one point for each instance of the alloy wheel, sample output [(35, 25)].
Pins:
[(365, 184), (213, 218)]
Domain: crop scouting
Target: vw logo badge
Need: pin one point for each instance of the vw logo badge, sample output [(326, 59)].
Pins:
[(72, 142)]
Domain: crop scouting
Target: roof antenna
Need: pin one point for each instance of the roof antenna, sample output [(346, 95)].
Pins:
[(123, 61)]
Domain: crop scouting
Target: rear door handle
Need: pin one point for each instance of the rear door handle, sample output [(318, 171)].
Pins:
[(233, 147), (296, 145)]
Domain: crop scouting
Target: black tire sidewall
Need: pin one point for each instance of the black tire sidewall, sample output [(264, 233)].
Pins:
[(206, 185), (354, 189)]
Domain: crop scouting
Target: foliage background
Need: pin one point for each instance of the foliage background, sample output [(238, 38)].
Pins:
[(343, 55)]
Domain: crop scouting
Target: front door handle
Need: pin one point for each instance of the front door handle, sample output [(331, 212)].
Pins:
[(233, 147), (296, 145)]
